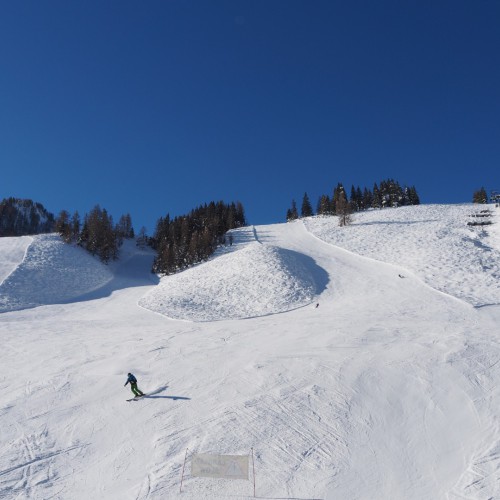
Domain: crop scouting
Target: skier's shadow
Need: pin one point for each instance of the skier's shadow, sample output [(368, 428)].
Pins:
[(152, 395), (166, 397)]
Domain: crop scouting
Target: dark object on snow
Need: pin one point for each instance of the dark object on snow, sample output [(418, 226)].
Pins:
[(136, 398), (401, 276), (317, 305), (133, 385)]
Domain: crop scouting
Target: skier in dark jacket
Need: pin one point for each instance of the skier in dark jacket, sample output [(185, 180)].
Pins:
[(133, 385)]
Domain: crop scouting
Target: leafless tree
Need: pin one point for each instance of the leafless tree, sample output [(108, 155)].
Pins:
[(344, 211)]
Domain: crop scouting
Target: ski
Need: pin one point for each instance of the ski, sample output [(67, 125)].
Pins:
[(136, 398)]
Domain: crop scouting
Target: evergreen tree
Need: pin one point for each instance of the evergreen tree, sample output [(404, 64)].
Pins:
[(240, 219), (356, 200), (306, 209), (75, 226), (338, 193), (20, 217), (63, 226), (359, 199), (324, 205), (124, 227), (480, 196), (98, 235), (413, 196), (292, 213), (389, 194), (376, 197), (405, 200), (192, 238), (367, 198)]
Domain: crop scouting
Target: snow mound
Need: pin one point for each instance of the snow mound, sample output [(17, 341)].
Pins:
[(12, 250), (51, 272), (255, 280)]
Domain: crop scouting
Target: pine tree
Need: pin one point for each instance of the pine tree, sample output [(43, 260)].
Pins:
[(480, 196), (338, 193), (75, 226), (306, 209), (389, 194), (19, 217), (367, 198), (413, 196), (376, 197), (63, 226), (192, 238), (292, 213), (99, 236), (124, 227), (240, 219), (355, 202), (324, 205), (359, 199)]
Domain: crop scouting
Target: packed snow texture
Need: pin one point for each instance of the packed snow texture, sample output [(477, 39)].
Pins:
[(378, 379), (50, 272), (433, 242), (254, 280), (12, 251)]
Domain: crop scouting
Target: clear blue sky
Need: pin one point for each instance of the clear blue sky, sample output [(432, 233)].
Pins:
[(157, 107)]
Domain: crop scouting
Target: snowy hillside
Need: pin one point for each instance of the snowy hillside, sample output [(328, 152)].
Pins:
[(50, 272), (432, 242), (255, 280), (358, 363)]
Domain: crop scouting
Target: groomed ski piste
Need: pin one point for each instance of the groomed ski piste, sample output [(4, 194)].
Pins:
[(360, 362)]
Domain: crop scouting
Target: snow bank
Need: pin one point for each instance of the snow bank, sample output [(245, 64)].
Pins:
[(51, 272), (255, 280), (433, 242), (12, 251)]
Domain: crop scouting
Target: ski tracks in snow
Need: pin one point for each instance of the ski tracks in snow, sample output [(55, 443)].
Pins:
[(35, 463), (388, 389), (479, 361)]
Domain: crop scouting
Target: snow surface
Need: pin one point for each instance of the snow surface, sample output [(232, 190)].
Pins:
[(433, 242), (12, 251), (388, 389), (254, 281)]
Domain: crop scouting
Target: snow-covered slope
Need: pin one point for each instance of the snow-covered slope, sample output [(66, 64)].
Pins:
[(385, 390), (44, 270), (433, 242), (12, 251), (253, 280), (51, 272)]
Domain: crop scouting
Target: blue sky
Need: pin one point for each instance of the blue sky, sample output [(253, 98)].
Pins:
[(157, 107)]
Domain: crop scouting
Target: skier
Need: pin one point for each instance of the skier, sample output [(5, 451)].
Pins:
[(133, 385)]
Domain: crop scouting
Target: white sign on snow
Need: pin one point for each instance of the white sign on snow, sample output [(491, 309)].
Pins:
[(220, 466)]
